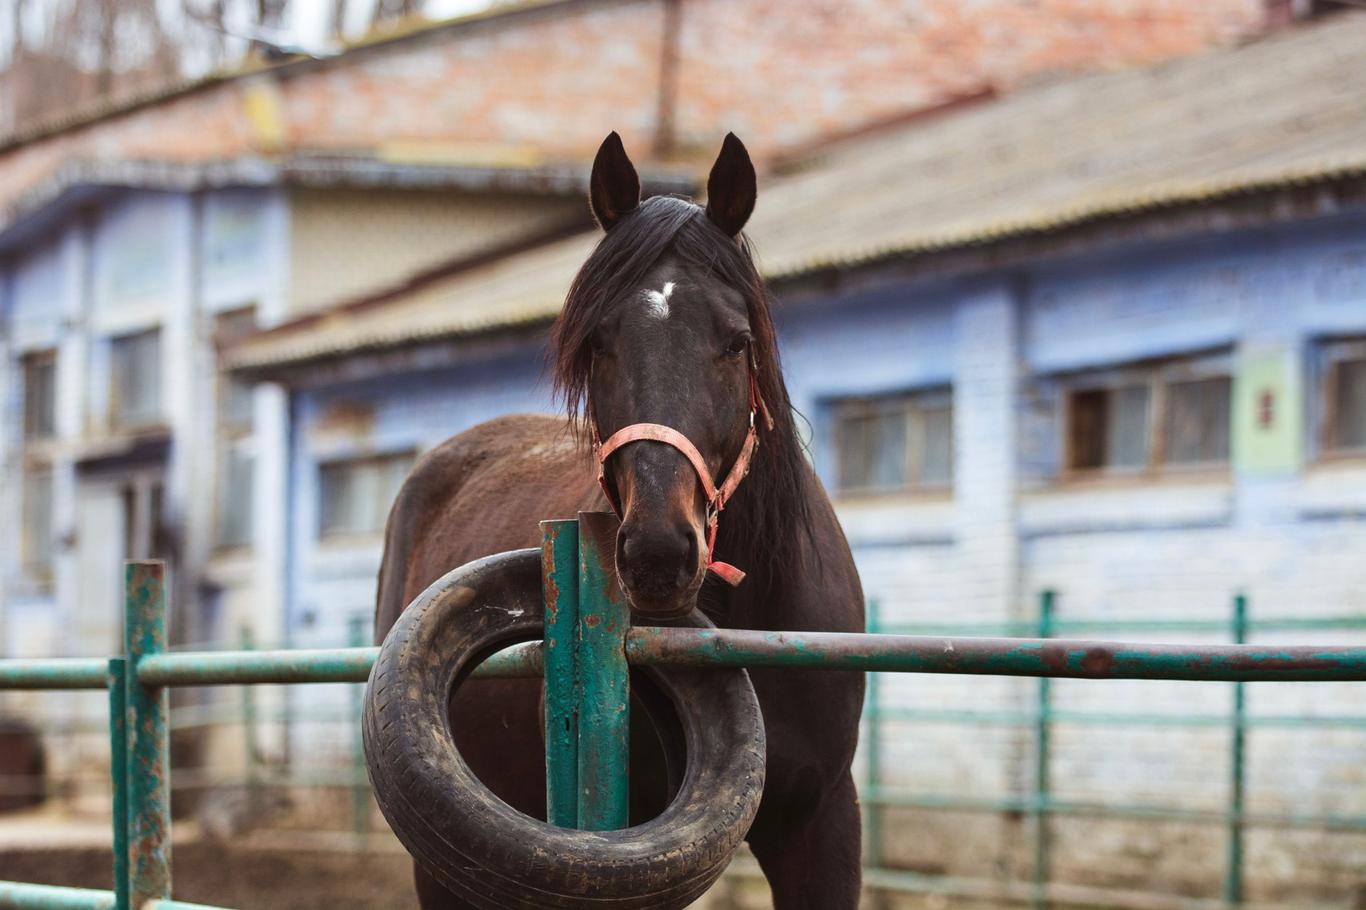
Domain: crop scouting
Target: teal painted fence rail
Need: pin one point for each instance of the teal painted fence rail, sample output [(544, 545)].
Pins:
[(587, 651), (1040, 804)]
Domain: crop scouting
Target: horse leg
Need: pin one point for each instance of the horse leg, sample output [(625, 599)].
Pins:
[(814, 863)]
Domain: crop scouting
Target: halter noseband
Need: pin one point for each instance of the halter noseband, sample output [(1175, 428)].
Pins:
[(717, 496)]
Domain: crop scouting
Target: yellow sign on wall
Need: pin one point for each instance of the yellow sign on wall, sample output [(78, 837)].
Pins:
[(1268, 412)]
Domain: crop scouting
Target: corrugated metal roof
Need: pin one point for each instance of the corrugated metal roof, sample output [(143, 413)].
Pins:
[(1277, 112)]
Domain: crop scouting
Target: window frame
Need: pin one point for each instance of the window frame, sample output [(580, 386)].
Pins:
[(1158, 376), (45, 358), (910, 402), (1333, 353), (234, 436), (120, 419), (325, 536)]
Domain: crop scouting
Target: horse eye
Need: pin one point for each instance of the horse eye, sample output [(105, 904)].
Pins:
[(738, 345)]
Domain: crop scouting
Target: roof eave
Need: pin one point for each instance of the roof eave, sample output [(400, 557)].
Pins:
[(1182, 211)]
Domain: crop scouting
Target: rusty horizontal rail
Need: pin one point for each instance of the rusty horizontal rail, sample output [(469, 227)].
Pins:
[(658, 646), (228, 668), (1043, 657)]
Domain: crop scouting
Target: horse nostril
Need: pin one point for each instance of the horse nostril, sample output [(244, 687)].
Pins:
[(689, 566)]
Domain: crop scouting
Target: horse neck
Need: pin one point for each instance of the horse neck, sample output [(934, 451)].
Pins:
[(771, 586)]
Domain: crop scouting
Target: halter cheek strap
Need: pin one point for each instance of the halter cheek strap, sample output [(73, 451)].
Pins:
[(717, 496)]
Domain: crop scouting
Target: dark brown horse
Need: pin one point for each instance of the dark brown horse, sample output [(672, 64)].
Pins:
[(668, 322)]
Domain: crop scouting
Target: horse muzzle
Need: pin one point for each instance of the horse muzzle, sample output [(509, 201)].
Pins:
[(661, 568)]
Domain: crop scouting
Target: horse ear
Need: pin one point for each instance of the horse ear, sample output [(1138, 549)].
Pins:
[(731, 188), (614, 188)]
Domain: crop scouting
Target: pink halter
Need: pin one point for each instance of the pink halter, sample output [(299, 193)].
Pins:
[(717, 497)]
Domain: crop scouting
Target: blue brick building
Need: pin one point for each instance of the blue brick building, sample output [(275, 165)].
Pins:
[(1106, 337)]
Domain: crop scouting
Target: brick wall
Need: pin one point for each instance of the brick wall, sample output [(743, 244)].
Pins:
[(556, 80)]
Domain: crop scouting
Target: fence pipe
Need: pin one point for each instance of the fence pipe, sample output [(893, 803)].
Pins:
[(1042, 777), (149, 748), (250, 745), (604, 696), (53, 897), (118, 774), (1233, 873), (560, 592), (54, 673), (872, 743), (1056, 658), (360, 791)]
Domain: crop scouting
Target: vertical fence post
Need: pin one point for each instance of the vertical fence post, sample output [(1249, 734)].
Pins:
[(560, 590), (604, 707), (1233, 872), (250, 745), (872, 744), (360, 785), (148, 754), (118, 775), (1042, 747)]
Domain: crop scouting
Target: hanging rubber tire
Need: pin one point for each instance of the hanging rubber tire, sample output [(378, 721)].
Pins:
[(490, 854)]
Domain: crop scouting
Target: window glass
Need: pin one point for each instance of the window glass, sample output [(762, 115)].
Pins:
[(936, 465), (40, 395), (1142, 418), (235, 495), (355, 494), (37, 528), (1126, 435), (135, 380), (1349, 398), (1197, 424), (895, 443)]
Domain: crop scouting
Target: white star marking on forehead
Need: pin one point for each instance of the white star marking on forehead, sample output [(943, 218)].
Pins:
[(657, 302)]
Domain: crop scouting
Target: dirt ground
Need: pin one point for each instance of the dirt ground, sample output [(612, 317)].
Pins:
[(241, 877), (267, 870)]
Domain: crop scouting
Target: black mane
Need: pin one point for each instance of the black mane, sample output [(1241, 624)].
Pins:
[(770, 514)]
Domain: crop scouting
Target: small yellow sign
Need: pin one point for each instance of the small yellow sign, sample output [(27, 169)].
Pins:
[(265, 115), (1268, 412)]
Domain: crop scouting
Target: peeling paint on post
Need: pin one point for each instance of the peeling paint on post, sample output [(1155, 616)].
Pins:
[(148, 754), (560, 589), (118, 774), (604, 714)]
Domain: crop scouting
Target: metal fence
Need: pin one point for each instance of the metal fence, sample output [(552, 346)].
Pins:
[(137, 686), (1039, 803)]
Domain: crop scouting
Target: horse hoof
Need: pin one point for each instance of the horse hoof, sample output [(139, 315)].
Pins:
[(488, 853)]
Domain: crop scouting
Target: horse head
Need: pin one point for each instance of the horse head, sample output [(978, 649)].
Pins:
[(659, 349)]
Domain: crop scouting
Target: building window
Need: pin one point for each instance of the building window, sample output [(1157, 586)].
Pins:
[(40, 395), (355, 494), (236, 447), (895, 443), (135, 380), (1143, 419), (36, 543), (236, 477), (1344, 431)]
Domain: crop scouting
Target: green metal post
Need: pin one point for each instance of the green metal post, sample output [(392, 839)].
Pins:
[(872, 742), (1042, 731), (560, 589), (1233, 873), (118, 775), (360, 788), (604, 704), (148, 771), (250, 744)]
